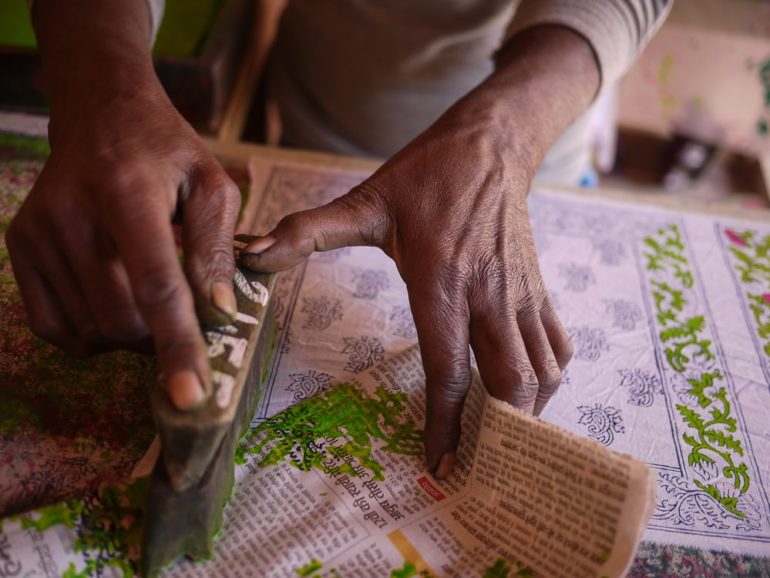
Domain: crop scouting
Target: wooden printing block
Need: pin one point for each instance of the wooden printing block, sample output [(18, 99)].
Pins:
[(193, 477)]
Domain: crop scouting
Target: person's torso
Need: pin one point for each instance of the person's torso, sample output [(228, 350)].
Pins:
[(366, 76)]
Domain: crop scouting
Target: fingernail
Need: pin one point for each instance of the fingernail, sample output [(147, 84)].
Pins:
[(223, 298), (259, 246), (185, 390), (445, 466)]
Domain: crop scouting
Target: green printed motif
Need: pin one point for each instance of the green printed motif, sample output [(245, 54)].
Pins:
[(107, 528), (344, 414), (751, 253), (709, 420)]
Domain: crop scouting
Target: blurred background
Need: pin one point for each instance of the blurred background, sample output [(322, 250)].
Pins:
[(691, 119)]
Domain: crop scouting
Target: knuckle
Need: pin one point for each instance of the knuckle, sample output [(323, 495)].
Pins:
[(121, 325), (366, 205), (224, 200), (496, 275), (366, 194), (526, 314), (527, 384), (455, 387), (525, 375), (292, 226), (122, 176), (180, 348), (157, 291), (451, 386), (228, 193), (551, 378), (216, 264)]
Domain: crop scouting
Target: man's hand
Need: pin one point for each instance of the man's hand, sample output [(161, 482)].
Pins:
[(92, 247), (450, 209)]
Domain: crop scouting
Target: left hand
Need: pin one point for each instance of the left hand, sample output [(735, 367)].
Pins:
[(450, 209)]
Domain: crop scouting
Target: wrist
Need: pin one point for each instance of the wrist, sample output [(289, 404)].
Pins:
[(91, 106), (544, 79), (93, 53), (503, 122)]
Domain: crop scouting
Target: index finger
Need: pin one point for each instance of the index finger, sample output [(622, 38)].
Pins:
[(141, 229), (442, 328)]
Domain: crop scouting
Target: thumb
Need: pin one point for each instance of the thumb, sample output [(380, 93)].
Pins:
[(357, 218)]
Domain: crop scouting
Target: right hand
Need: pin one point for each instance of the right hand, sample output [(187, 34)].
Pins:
[(93, 250)]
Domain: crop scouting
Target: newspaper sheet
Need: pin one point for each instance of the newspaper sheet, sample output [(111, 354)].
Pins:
[(336, 485)]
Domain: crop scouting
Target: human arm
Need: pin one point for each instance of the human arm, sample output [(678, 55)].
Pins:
[(450, 209), (92, 247)]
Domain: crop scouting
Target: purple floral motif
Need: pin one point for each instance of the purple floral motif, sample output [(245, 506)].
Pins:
[(577, 277), (602, 422), (625, 314), (369, 282), (329, 257), (611, 251), (308, 384), (321, 312), (362, 353), (403, 324), (589, 342), (642, 386)]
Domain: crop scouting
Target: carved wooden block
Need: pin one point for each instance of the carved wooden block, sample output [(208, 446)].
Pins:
[(193, 477)]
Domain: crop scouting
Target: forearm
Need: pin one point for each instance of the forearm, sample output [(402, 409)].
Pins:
[(93, 51), (545, 78)]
